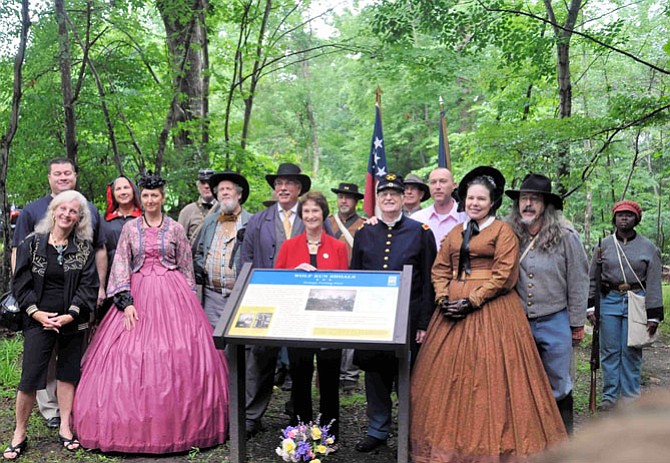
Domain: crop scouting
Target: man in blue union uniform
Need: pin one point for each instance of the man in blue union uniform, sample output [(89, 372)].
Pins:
[(394, 241)]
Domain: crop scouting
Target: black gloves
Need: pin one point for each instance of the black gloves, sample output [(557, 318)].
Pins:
[(455, 310)]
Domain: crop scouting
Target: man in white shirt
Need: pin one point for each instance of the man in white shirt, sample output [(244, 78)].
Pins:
[(443, 215)]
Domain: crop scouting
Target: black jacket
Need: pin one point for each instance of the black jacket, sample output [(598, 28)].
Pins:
[(81, 279)]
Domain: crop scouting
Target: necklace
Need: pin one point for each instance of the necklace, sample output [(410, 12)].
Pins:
[(314, 243), (151, 226)]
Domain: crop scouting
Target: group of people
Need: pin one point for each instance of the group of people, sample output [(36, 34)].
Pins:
[(495, 309)]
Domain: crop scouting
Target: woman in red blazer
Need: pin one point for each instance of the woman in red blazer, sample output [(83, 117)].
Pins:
[(309, 251)]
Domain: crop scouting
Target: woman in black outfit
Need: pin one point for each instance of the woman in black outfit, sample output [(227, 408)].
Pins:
[(56, 285)]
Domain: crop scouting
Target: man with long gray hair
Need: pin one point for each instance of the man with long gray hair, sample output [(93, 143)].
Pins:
[(553, 281)]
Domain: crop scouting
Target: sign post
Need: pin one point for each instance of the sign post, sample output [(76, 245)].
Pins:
[(366, 310)]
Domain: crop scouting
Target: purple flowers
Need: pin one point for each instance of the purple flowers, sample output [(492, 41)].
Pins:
[(306, 442)]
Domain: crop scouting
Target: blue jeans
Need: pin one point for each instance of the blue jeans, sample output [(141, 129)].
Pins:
[(553, 338), (621, 364)]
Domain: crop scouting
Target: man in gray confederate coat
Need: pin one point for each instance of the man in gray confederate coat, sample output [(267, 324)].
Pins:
[(553, 281)]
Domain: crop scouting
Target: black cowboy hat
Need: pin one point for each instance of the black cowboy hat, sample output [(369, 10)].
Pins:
[(537, 183), (348, 189), (415, 180), (237, 179), (484, 171), (290, 170)]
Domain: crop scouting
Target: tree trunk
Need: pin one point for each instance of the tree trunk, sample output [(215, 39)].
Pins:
[(313, 129), (563, 34), (255, 74), (65, 64), (185, 34), (6, 141)]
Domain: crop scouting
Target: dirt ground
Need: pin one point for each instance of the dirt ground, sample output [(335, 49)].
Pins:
[(43, 445)]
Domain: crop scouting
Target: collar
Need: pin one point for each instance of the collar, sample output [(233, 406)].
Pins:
[(453, 212), (394, 222), (294, 209), (486, 223)]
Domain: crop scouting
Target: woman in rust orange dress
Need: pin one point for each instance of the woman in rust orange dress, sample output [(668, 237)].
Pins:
[(479, 391)]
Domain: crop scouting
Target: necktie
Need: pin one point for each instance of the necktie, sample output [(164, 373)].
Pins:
[(464, 256), (287, 223), (228, 218)]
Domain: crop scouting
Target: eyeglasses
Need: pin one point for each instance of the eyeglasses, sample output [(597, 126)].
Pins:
[(60, 248), (389, 192)]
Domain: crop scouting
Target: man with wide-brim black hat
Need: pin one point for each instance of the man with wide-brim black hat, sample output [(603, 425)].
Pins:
[(345, 223), (392, 242), (265, 233), (553, 281), (216, 252)]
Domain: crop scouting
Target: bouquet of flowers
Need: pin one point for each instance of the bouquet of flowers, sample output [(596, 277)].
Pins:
[(306, 442)]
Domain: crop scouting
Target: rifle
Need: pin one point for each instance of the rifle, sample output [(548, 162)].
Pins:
[(595, 341)]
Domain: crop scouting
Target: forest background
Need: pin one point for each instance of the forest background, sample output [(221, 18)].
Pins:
[(575, 89)]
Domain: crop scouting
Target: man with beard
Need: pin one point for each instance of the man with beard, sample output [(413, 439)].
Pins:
[(553, 281), (192, 215), (216, 255)]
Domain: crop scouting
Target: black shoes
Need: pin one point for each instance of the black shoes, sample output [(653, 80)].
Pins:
[(53, 423), (368, 444), (253, 428)]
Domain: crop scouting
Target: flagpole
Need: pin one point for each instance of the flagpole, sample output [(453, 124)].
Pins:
[(377, 166), (443, 129), (378, 100)]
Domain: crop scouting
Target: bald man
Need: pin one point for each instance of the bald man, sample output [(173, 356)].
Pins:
[(443, 215)]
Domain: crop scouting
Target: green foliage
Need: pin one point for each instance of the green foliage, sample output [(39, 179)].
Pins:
[(493, 62), (11, 349)]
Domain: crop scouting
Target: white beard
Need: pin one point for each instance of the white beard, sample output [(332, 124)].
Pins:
[(228, 206)]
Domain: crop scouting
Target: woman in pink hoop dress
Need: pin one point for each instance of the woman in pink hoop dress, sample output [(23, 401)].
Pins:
[(152, 380)]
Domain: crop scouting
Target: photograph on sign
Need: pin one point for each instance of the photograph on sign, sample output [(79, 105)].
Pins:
[(318, 305)]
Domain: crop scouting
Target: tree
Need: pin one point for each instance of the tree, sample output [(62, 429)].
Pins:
[(6, 141)]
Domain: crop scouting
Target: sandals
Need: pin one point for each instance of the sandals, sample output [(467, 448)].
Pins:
[(71, 445), (16, 449)]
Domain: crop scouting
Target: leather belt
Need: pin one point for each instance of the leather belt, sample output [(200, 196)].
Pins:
[(480, 274), (606, 287)]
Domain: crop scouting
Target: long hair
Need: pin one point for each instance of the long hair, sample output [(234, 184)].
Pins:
[(551, 233), (83, 230)]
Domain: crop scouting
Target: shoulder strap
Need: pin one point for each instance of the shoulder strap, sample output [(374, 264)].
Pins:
[(525, 253), (619, 253), (343, 229)]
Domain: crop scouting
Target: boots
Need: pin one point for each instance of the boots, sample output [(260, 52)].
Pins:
[(565, 407)]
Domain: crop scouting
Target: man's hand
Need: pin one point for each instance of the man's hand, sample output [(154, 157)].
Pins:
[(652, 327), (372, 220), (101, 296), (420, 336), (577, 335)]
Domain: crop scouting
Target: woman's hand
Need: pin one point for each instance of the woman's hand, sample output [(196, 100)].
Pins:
[(306, 267), (46, 319), (130, 317), (420, 336), (652, 327)]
